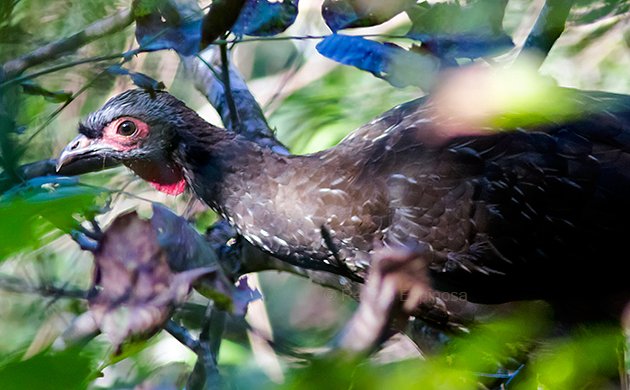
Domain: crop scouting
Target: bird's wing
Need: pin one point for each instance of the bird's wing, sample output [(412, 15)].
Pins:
[(516, 210)]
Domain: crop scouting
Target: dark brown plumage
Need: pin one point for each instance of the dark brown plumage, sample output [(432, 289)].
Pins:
[(525, 214)]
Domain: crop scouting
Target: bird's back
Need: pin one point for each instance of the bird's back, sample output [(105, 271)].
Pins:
[(526, 213)]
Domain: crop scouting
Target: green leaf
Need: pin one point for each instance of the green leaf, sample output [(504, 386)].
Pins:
[(31, 88), (51, 370), (39, 210)]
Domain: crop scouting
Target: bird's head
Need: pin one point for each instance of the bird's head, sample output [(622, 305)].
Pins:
[(139, 129)]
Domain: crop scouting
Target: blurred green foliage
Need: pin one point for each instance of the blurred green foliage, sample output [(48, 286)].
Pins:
[(318, 116), (586, 359), (70, 369), (40, 210)]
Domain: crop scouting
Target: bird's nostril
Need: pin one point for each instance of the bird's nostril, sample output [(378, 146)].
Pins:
[(74, 145)]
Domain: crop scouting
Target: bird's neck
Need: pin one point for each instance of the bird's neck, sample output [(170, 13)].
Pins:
[(272, 200), (225, 169)]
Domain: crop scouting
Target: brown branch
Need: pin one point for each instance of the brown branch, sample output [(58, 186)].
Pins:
[(56, 49), (205, 375), (225, 78), (548, 28), (253, 124)]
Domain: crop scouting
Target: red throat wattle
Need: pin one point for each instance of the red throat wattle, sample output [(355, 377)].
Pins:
[(172, 188), (167, 178)]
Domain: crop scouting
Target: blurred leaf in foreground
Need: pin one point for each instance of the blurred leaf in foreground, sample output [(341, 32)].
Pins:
[(588, 360), (134, 289), (450, 30), (506, 350), (69, 369), (143, 270), (476, 99), (30, 212)]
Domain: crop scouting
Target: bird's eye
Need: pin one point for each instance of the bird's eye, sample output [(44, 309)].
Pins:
[(126, 128)]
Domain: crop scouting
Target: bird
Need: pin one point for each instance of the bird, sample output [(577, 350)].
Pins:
[(534, 212)]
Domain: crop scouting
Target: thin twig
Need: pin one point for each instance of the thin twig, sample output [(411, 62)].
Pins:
[(205, 375), (16, 285), (66, 65), (225, 72), (301, 38), (253, 124), (212, 328), (210, 67), (182, 335), (52, 116), (54, 50)]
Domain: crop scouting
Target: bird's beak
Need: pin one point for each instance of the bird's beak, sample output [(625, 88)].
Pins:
[(83, 155)]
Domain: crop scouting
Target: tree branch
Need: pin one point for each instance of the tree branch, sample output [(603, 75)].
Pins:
[(16, 285), (225, 74), (253, 124), (547, 29), (54, 50), (205, 375)]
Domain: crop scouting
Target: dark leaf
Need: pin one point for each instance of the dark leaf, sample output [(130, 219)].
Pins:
[(387, 61), (31, 88), (449, 30), (187, 249), (220, 18), (168, 24), (340, 14), (139, 79), (265, 18)]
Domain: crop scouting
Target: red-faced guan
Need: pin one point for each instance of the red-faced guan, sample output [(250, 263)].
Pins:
[(530, 213)]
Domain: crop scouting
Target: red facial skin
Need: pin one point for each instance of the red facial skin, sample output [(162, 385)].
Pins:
[(121, 142), (163, 177)]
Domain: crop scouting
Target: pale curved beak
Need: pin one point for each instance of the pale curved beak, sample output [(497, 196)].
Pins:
[(83, 155)]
